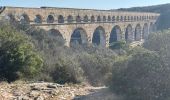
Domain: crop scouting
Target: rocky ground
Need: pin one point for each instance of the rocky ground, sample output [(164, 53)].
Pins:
[(53, 91)]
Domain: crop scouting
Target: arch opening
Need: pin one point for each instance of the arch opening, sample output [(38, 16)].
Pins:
[(38, 19), (104, 18), (121, 18), (113, 18), (24, 19), (109, 18), (138, 32), (132, 18), (78, 37), (135, 18), (129, 34), (55, 33), (115, 34), (125, 18), (60, 19), (128, 18), (50, 19), (70, 19), (86, 19), (99, 37), (92, 19), (56, 36), (98, 19), (145, 32), (78, 19)]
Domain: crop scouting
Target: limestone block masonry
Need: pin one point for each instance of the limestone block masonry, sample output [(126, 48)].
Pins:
[(100, 27)]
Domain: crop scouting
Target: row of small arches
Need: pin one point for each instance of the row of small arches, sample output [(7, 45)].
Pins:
[(70, 19)]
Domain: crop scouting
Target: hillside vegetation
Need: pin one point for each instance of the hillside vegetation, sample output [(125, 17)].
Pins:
[(164, 9), (145, 73), (28, 53), (141, 73)]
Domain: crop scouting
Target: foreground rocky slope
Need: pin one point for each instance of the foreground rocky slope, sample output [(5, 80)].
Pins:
[(53, 91)]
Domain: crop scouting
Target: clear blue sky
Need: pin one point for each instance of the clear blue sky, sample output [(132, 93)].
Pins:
[(92, 4)]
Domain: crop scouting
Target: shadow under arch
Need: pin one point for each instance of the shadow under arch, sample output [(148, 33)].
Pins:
[(38, 19), (50, 19), (60, 19), (145, 32), (115, 34), (129, 33), (55, 32), (78, 37), (138, 31), (56, 37), (70, 19), (24, 19), (99, 37)]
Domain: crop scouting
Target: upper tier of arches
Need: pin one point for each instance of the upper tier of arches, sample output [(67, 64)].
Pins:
[(61, 19)]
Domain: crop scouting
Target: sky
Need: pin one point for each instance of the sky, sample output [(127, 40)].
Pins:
[(89, 4)]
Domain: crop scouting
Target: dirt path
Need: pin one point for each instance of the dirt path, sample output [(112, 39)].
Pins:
[(99, 93), (53, 91)]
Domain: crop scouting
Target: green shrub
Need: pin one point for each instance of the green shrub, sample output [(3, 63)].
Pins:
[(142, 76), (158, 41), (118, 45), (67, 70), (97, 68), (63, 64), (18, 58)]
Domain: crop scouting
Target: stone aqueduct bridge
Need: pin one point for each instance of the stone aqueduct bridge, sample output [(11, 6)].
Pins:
[(100, 27)]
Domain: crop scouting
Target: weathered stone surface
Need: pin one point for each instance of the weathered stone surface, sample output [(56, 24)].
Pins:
[(59, 21)]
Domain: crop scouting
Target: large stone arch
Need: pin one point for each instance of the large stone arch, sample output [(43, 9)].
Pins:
[(138, 31), (145, 32), (99, 37), (115, 34), (78, 37), (38, 19), (50, 19), (129, 33), (24, 19), (55, 33)]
